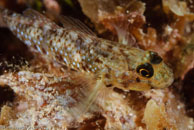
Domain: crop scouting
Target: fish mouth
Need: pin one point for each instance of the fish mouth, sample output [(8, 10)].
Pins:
[(164, 83), (169, 79), (163, 78), (169, 82)]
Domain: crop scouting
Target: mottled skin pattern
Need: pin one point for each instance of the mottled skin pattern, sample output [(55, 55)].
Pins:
[(112, 63)]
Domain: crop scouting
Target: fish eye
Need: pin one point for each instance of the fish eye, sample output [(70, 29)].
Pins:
[(145, 70), (155, 58)]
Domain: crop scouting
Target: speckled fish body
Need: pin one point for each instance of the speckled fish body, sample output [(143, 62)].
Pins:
[(117, 65)]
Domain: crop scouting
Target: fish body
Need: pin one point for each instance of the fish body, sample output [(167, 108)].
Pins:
[(113, 63)]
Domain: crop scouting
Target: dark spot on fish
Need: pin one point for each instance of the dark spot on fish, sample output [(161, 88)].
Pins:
[(95, 43), (38, 37), (79, 41), (110, 47), (29, 31), (138, 80), (70, 37), (122, 119), (64, 33), (50, 43), (44, 51), (126, 83), (151, 87), (109, 85), (41, 27), (118, 90), (122, 52), (35, 47), (53, 32), (107, 76), (73, 69), (84, 68), (41, 24), (59, 40), (103, 53), (59, 57), (98, 61)]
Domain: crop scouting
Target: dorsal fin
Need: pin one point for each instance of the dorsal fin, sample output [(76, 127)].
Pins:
[(35, 15), (32, 13), (75, 24), (67, 22)]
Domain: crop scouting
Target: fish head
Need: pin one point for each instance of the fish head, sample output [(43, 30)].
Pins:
[(146, 70)]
